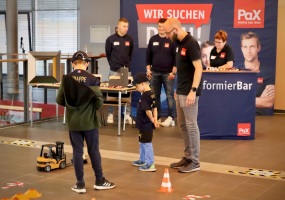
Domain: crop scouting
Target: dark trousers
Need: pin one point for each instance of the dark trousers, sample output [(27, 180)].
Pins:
[(159, 79), (92, 140)]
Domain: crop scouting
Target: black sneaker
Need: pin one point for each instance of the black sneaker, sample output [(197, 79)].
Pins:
[(104, 185), (181, 163), (80, 189), (191, 167)]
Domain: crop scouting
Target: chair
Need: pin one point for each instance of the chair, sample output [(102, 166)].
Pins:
[(111, 99)]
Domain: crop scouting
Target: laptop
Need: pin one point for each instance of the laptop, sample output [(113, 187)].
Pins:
[(44, 79)]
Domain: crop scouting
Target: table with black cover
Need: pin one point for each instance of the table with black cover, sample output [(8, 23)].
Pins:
[(227, 105)]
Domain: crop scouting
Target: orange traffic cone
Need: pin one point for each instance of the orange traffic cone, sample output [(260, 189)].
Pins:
[(19, 197), (166, 184), (32, 193)]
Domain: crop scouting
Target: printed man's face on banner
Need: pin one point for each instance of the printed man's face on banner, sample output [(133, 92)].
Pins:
[(250, 49)]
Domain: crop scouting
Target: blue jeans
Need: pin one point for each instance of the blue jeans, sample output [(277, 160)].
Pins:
[(187, 122), (159, 79), (146, 153)]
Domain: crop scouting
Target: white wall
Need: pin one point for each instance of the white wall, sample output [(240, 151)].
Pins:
[(97, 12), (280, 62)]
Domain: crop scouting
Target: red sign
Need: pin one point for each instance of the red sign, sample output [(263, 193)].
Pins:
[(249, 13), (197, 14), (243, 129)]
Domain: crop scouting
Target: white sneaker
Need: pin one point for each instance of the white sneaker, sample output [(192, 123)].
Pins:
[(110, 119), (168, 122), (129, 120)]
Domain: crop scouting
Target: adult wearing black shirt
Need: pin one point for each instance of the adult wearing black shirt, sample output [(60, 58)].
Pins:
[(161, 70), (222, 55), (119, 48), (189, 73)]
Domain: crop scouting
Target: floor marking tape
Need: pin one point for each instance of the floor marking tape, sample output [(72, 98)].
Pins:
[(260, 173), (27, 143), (193, 197), (9, 185)]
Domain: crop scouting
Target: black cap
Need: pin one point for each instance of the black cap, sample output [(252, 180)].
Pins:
[(140, 78), (80, 55)]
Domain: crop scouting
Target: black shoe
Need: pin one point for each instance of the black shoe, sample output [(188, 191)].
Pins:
[(80, 189), (181, 163), (104, 185), (191, 167)]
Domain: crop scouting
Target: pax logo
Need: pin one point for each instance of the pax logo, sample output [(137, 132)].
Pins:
[(249, 13), (243, 129), (254, 15)]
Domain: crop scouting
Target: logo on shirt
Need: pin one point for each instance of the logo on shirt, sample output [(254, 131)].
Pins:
[(127, 43), (166, 45), (223, 55), (116, 43), (183, 52), (80, 78), (243, 129), (155, 43), (259, 80)]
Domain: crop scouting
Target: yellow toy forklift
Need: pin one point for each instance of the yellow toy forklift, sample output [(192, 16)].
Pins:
[(52, 157)]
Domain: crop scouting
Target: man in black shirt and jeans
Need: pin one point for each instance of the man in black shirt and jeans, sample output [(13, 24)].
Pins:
[(119, 48), (161, 70), (189, 74)]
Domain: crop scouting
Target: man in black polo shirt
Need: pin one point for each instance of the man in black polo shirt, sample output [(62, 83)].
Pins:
[(189, 74), (119, 48), (161, 70)]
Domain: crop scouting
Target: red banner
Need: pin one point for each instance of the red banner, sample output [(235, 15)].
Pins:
[(197, 14), (249, 13)]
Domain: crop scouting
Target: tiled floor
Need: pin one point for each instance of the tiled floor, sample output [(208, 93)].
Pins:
[(226, 165)]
